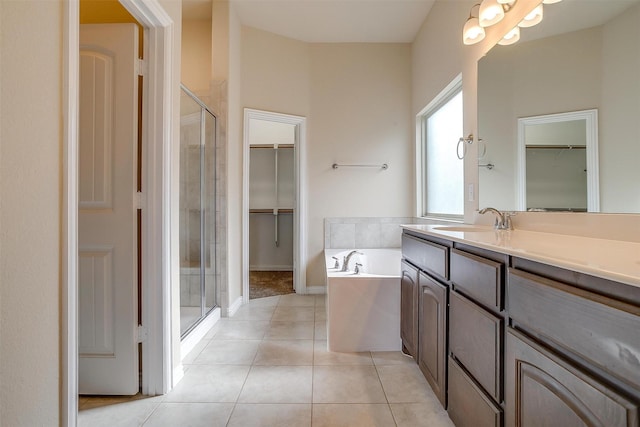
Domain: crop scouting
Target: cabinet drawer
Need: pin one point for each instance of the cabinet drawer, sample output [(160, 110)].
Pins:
[(468, 406), (428, 256), (545, 390), (479, 278), (475, 339), (600, 330)]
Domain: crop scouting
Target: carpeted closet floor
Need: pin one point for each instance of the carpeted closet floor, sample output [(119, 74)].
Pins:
[(270, 283)]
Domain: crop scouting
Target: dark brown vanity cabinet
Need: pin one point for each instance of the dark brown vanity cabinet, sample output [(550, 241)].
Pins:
[(425, 270), (545, 390), (409, 309), (432, 334), (573, 355)]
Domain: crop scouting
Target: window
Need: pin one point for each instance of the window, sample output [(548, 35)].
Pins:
[(442, 175)]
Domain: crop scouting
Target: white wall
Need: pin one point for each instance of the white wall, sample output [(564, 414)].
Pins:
[(30, 192), (619, 171), (196, 56)]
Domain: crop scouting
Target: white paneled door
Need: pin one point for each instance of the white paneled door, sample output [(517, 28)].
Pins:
[(108, 296)]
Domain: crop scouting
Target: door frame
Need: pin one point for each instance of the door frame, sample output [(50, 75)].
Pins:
[(156, 226), (300, 214)]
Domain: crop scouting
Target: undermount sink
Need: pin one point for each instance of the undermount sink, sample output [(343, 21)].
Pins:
[(464, 228)]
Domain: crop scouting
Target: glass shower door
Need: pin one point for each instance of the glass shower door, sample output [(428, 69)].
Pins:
[(198, 290)]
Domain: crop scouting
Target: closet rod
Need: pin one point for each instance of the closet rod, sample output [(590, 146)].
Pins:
[(271, 147)]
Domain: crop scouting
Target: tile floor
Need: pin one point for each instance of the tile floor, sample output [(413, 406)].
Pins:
[(268, 366)]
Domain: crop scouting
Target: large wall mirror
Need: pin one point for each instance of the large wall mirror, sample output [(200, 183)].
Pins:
[(584, 56)]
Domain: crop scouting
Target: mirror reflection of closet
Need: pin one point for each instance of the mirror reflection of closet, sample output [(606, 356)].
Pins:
[(271, 207)]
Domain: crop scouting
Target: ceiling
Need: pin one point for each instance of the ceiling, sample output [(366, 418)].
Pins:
[(327, 21)]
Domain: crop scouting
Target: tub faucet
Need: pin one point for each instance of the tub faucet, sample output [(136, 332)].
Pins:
[(345, 263), (503, 219)]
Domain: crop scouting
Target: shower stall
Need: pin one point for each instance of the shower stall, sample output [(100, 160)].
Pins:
[(198, 266)]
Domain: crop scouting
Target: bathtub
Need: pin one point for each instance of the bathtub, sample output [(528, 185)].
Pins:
[(363, 310)]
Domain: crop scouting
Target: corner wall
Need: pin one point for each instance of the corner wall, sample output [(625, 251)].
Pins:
[(356, 98)]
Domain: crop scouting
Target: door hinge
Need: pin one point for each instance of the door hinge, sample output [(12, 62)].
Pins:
[(140, 200), (141, 67), (143, 333)]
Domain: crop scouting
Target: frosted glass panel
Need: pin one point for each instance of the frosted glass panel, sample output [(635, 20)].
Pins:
[(444, 173)]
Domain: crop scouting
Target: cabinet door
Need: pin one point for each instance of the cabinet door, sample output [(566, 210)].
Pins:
[(432, 330), (544, 390), (409, 308)]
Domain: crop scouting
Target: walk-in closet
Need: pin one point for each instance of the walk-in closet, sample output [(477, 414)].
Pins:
[(271, 208)]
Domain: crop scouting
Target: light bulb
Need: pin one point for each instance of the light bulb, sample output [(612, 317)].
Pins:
[(491, 12), (472, 32), (511, 37), (550, 1), (533, 18)]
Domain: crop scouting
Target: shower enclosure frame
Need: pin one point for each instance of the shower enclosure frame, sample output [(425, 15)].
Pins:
[(205, 310)]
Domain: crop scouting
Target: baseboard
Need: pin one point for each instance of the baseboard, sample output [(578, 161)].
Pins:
[(178, 374), (271, 268), (233, 308), (316, 290), (189, 342)]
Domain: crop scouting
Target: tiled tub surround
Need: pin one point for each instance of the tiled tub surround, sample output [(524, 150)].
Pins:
[(363, 310), (616, 260), (268, 365), (368, 232)]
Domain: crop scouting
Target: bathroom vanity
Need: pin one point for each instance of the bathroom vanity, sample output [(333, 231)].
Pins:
[(522, 328)]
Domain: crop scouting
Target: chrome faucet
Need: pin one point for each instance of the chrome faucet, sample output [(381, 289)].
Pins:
[(503, 219), (345, 263)]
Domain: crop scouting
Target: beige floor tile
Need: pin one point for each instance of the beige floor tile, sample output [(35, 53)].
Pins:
[(297, 300), (321, 300), (265, 302), (290, 331), (405, 384), (285, 353), (391, 358), (320, 330), (347, 384), (241, 330), (253, 312), (420, 415), (293, 314), (271, 415), (90, 402), (190, 414), (352, 415), (228, 352), (129, 414), (277, 384), (321, 313), (209, 383), (195, 352), (321, 356)]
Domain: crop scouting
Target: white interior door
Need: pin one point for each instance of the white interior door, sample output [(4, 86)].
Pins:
[(107, 227)]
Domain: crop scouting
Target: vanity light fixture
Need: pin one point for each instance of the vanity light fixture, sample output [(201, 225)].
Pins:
[(511, 37), (533, 18), (490, 12), (472, 32)]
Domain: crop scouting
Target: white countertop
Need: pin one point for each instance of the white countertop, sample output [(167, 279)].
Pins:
[(609, 259)]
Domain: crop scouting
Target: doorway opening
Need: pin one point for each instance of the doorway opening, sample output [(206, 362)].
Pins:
[(274, 232)]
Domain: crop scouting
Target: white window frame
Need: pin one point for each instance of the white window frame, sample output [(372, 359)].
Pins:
[(451, 90)]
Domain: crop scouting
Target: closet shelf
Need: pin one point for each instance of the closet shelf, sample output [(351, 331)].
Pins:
[(272, 147), (270, 211)]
